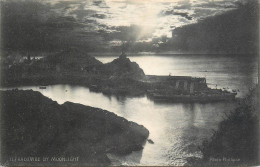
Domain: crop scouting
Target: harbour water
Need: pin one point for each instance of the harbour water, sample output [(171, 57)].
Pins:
[(176, 129), (232, 72)]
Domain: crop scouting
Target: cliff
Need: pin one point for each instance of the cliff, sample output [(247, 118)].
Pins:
[(34, 125)]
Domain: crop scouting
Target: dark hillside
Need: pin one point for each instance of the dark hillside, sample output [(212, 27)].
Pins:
[(35, 126), (72, 59)]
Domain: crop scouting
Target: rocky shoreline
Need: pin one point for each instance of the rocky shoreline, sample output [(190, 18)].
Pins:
[(33, 125)]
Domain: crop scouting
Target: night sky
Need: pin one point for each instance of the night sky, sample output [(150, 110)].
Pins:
[(101, 25)]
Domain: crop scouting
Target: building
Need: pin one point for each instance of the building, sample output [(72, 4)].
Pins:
[(179, 84)]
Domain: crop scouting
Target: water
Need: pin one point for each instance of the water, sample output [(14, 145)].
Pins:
[(176, 129), (225, 71)]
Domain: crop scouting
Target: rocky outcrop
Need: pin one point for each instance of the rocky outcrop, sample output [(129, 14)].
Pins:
[(35, 126), (122, 67)]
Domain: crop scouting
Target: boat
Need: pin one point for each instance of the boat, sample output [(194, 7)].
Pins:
[(150, 141), (42, 87)]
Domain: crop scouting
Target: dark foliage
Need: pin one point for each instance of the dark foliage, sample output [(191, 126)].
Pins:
[(237, 136)]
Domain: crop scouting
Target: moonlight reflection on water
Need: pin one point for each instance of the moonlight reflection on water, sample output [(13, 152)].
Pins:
[(176, 129)]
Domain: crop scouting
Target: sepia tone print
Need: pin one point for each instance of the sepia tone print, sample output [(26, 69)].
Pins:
[(129, 82)]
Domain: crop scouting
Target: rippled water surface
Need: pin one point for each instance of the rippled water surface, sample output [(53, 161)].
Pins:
[(176, 129)]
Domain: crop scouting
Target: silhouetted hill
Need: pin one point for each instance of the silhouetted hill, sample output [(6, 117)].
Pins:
[(72, 59), (123, 67), (233, 32), (33, 125)]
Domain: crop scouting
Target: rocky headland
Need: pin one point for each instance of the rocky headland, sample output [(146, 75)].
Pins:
[(119, 77), (33, 125)]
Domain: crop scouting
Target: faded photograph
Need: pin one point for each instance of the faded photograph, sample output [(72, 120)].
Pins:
[(129, 82)]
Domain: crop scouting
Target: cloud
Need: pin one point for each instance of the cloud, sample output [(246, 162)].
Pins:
[(126, 33), (158, 15), (100, 16), (217, 4), (33, 26), (171, 12), (183, 15), (232, 32), (62, 22), (80, 14), (54, 24)]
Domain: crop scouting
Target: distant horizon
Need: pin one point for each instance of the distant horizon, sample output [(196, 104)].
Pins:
[(45, 53)]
